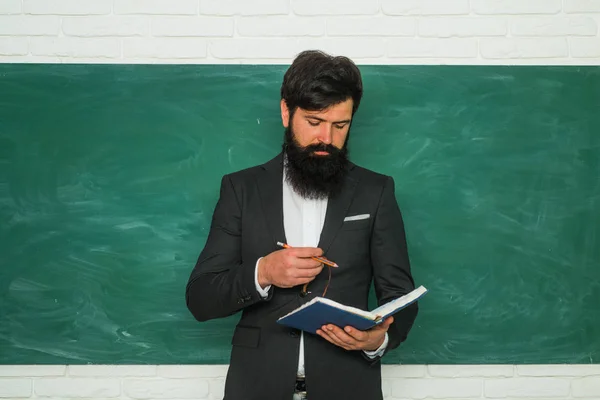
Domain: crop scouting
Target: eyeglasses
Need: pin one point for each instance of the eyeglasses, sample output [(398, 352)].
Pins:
[(305, 292)]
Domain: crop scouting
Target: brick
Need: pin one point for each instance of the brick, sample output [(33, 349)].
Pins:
[(29, 25), (89, 60), (443, 27), (425, 7), (516, 6), (427, 48), (253, 48), (582, 6), (353, 47), (30, 59), (527, 387), (105, 26), (465, 371), (192, 26), (67, 7), (32, 370), (559, 370), (10, 7), (585, 47), (192, 371), (386, 387), (166, 388), (437, 388), (335, 7), (15, 388), (503, 48), (403, 371), (216, 388), (554, 26), (75, 47), (286, 49), (280, 26), (77, 387), (535, 398), (164, 48), (371, 26), (156, 7), (244, 7), (586, 387), (108, 371)]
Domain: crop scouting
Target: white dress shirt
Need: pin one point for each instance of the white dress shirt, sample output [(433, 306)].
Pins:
[(303, 221)]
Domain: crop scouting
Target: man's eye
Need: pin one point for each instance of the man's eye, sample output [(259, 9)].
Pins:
[(340, 126), (312, 123)]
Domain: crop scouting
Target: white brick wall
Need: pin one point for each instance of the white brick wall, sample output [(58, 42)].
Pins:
[(400, 382), (274, 31)]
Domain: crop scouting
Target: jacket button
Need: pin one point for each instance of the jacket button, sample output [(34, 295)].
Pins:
[(294, 333), (303, 294)]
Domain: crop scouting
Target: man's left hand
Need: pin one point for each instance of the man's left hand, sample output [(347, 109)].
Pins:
[(350, 338)]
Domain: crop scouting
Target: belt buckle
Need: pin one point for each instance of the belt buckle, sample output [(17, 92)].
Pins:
[(300, 389)]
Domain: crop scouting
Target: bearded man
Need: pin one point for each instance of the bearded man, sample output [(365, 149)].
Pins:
[(313, 198)]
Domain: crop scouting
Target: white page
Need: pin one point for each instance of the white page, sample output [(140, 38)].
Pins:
[(333, 303), (399, 302)]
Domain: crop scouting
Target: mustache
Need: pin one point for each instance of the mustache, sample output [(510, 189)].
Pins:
[(331, 149)]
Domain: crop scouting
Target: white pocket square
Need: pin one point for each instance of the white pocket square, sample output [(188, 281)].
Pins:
[(357, 217)]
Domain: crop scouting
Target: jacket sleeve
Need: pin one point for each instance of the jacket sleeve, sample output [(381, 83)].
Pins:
[(220, 283), (391, 265)]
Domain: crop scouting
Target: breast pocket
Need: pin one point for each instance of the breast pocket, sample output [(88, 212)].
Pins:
[(356, 224)]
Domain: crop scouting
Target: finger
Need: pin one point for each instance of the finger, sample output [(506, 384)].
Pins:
[(342, 336), (306, 263), (385, 325), (295, 272), (305, 252), (331, 338), (356, 334), (293, 261), (306, 273), (326, 337)]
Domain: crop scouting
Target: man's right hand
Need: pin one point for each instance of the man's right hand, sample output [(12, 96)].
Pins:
[(289, 267)]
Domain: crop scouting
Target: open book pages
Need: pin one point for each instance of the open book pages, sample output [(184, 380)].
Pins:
[(384, 310), (394, 305), (333, 303)]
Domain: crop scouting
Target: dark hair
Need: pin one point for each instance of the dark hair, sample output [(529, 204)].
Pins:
[(316, 80)]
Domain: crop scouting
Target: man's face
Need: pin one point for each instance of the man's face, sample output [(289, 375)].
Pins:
[(315, 145), (326, 127)]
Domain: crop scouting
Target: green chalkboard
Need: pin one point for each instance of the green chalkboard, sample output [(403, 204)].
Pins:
[(109, 175)]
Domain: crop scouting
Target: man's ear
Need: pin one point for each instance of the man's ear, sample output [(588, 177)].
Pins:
[(285, 114)]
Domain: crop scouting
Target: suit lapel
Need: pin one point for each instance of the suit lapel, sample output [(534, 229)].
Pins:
[(337, 208), (270, 187)]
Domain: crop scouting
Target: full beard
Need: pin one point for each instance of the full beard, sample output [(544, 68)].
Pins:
[(314, 176)]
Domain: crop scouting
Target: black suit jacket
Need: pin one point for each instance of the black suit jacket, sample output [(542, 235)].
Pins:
[(247, 223)]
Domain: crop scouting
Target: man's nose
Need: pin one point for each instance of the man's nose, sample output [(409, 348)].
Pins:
[(325, 133)]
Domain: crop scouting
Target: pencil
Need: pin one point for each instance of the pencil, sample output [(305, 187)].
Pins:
[(319, 259)]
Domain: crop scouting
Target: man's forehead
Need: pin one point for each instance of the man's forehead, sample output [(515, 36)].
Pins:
[(343, 110)]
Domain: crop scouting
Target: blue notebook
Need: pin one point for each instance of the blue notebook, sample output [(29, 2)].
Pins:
[(320, 311)]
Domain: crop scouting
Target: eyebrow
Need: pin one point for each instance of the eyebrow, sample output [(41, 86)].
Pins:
[(345, 121)]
